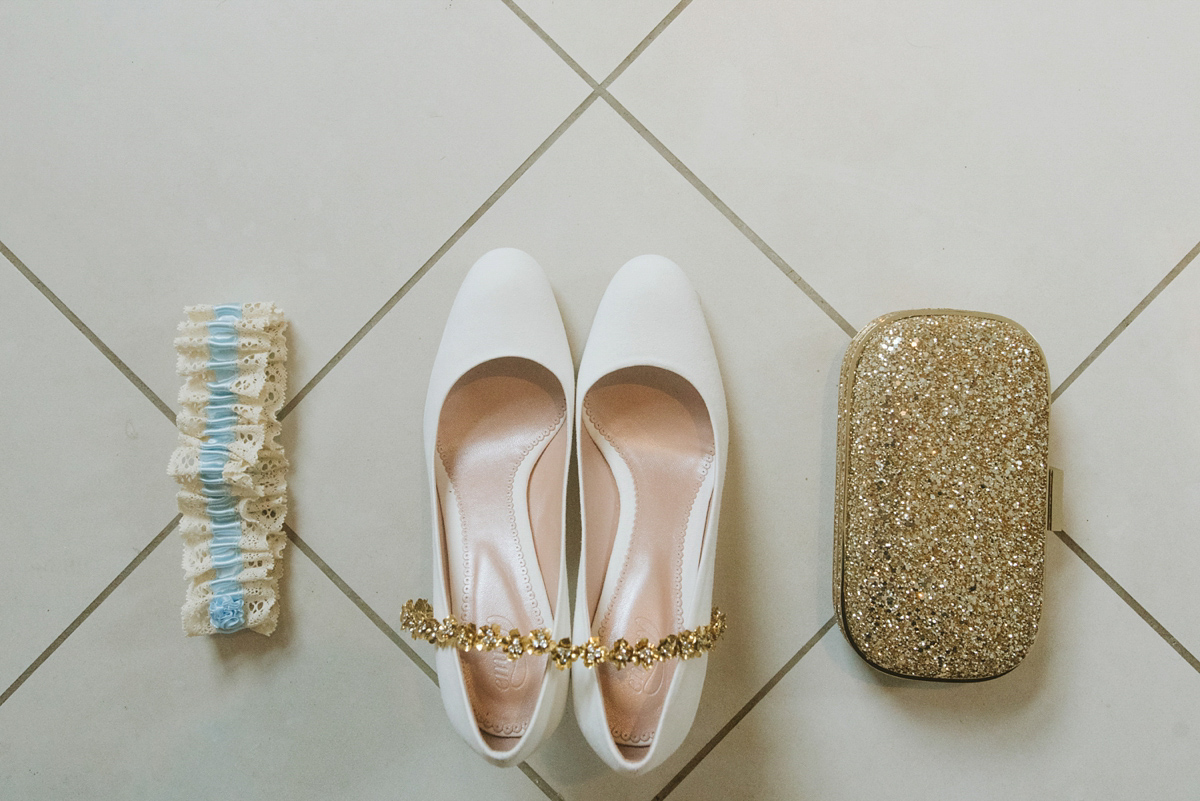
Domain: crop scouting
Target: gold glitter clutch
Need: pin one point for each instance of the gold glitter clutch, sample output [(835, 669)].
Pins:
[(943, 494)]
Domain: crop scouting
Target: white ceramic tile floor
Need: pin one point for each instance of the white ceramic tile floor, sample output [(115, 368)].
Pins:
[(1101, 709), (155, 153), (598, 36), (1034, 161), (1127, 432), (82, 478), (967, 155), (325, 708)]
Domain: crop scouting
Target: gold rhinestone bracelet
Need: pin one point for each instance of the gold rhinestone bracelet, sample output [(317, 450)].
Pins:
[(416, 617)]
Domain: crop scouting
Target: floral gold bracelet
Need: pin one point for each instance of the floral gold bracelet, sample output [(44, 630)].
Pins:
[(417, 619)]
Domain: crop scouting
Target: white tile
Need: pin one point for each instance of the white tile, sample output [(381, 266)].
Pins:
[(1030, 159), (1037, 160), (314, 155), (598, 34), (84, 485), (1127, 432), (1101, 709), (597, 198), (326, 708)]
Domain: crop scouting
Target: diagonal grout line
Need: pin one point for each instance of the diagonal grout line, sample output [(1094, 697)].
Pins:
[(99, 599), (1129, 318), (642, 45), (1129, 599), (574, 65), (541, 783), (553, 45), (432, 260), (671, 158), (394, 636), (729, 214), (87, 332), (500, 191), (745, 710), (354, 597), (357, 600), (1062, 535)]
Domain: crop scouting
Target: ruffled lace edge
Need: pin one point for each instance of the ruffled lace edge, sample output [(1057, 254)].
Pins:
[(255, 471)]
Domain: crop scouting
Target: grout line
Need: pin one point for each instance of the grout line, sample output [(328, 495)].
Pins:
[(729, 214), (395, 637), (87, 332), (745, 710), (541, 783), (574, 65), (553, 45), (432, 260), (357, 600), (1129, 318), (642, 45), (1129, 599), (502, 189), (99, 599), (672, 159)]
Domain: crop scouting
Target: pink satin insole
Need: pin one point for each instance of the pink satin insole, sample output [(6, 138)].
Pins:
[(658, 426), (498, 441)]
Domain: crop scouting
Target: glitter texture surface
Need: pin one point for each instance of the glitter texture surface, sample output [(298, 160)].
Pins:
[(943, 430)]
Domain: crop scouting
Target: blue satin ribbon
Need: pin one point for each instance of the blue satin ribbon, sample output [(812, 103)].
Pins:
[(226, 609)]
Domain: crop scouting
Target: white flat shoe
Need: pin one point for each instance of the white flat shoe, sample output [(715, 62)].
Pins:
[(497, 441), (653, 434)]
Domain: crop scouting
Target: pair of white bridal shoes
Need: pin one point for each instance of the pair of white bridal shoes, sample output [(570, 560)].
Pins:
[(651, 431)]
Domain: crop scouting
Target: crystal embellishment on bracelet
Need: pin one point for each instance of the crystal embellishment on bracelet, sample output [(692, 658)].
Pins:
[(418, 620)]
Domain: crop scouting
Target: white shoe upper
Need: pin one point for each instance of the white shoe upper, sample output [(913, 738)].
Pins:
[(650, 316), (504, 308)]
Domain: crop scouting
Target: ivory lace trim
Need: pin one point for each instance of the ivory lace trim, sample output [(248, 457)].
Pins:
[(253, 473)]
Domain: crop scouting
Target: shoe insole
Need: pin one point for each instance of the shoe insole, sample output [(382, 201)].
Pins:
[(497, 422), (653, 430)]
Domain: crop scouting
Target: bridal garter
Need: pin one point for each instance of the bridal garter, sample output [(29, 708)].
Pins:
[(230, 466)]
